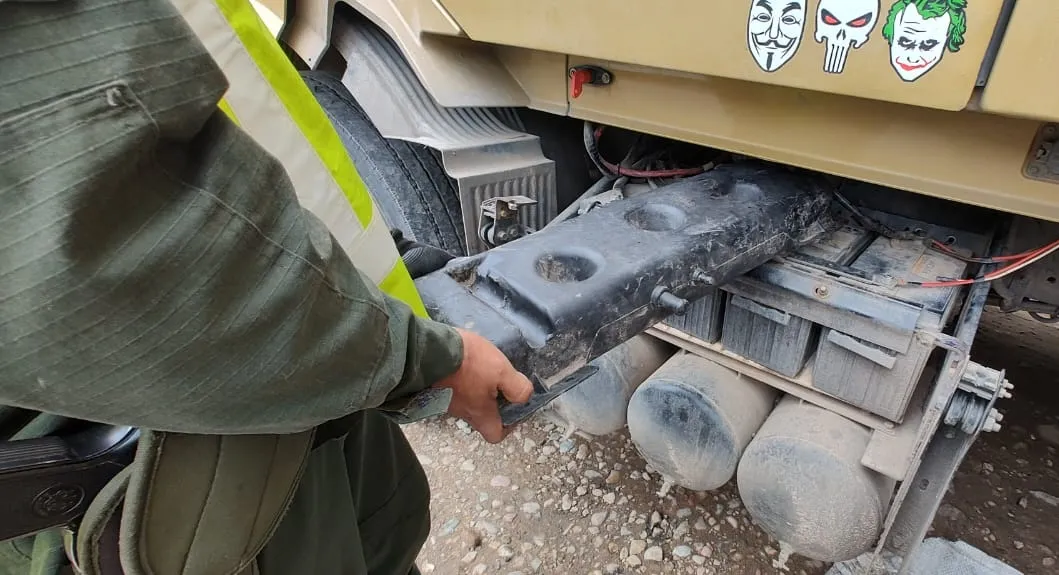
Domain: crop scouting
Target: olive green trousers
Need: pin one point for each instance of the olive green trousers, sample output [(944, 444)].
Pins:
[(362, 508)]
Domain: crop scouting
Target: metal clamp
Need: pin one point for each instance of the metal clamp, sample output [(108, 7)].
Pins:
[(498, 221)]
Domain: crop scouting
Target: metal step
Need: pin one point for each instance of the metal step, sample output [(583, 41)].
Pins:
[(936, 556)]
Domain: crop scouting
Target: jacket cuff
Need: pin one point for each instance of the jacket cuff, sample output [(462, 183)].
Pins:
[(435, 352)]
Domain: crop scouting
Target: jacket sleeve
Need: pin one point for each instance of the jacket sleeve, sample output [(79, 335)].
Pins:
[(178, 285)]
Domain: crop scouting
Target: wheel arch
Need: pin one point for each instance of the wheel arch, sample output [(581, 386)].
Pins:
[(456, 71)]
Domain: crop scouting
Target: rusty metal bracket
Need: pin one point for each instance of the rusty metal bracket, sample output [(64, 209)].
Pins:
[(1042, 162)]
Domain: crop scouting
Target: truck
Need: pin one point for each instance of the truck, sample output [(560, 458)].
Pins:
[(771, 225)]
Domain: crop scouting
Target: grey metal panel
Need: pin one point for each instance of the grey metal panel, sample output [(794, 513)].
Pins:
[(703, 318), (781, 347), (849, 309), (479, 148), (857, 376)]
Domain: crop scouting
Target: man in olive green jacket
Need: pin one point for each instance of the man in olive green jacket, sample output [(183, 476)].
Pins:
[(157, 271)]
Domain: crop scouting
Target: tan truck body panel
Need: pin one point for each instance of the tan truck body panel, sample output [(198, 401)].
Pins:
[(893, 109)]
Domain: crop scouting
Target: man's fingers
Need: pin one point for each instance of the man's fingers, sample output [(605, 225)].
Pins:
[(491, 429), (516, 388)]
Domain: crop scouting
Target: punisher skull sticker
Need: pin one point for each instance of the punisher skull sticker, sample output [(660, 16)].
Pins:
[(774, 31), (919, 33), (844, 25)]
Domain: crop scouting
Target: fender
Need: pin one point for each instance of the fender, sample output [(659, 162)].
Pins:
[(455, 71)]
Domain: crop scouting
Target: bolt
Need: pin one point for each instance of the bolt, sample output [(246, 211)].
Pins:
[(670, 302), (702, 277), (1049, 130), (1004, 394), (605, 78), (822, 291), (1032, 170)]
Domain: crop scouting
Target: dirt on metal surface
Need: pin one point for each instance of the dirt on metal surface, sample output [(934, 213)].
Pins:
[(539, 503)]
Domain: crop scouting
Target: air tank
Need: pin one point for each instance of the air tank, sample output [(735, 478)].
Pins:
[(801, 480), (597, 406), (692, 419)]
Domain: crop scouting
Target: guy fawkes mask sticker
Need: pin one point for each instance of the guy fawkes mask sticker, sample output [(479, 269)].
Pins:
[(774, 31)]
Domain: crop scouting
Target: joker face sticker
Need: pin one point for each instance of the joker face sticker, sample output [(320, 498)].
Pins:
[(919, 33), (844, 25), (774, 31)]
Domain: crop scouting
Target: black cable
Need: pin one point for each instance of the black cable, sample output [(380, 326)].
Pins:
[(592, 148)]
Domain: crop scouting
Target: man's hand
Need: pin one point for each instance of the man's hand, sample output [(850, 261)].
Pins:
[(484, 373)]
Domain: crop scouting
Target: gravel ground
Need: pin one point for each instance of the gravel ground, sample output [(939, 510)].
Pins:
[(541, 502)]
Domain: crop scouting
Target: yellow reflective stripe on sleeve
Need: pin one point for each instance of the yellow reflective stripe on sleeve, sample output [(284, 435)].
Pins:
[(299, 102), (268, 97), (398, 284), (227, 109)]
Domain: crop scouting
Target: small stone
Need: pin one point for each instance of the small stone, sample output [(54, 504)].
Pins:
[(1018, 544), (547, 450), (681, 529), (700, 525), (633, 561), (531, 508), (987, 468), (950, 512), (597, 519), (613, 478), (535, 564), (653, 554), (1047, 498), (528, 445), (637, 546), (683, 513), (448, 527), (463, 426), (427, 568), (566, 445), (488, 528), (682, 551), (505, 552), (732, 521), (1048, 561), (479, 569), (706, 551), (500, 481), (611, 568), (1049, 432), (592, 474), (1024, 502), (470, 557), (698, 559), (656, 518), (608, 498), (737, 557), (582, 452), (581, 490)]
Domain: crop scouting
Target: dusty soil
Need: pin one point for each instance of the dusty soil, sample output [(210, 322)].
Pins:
[(543, 503)]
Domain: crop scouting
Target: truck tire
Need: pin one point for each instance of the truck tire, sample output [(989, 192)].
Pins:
[(406, 180)]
